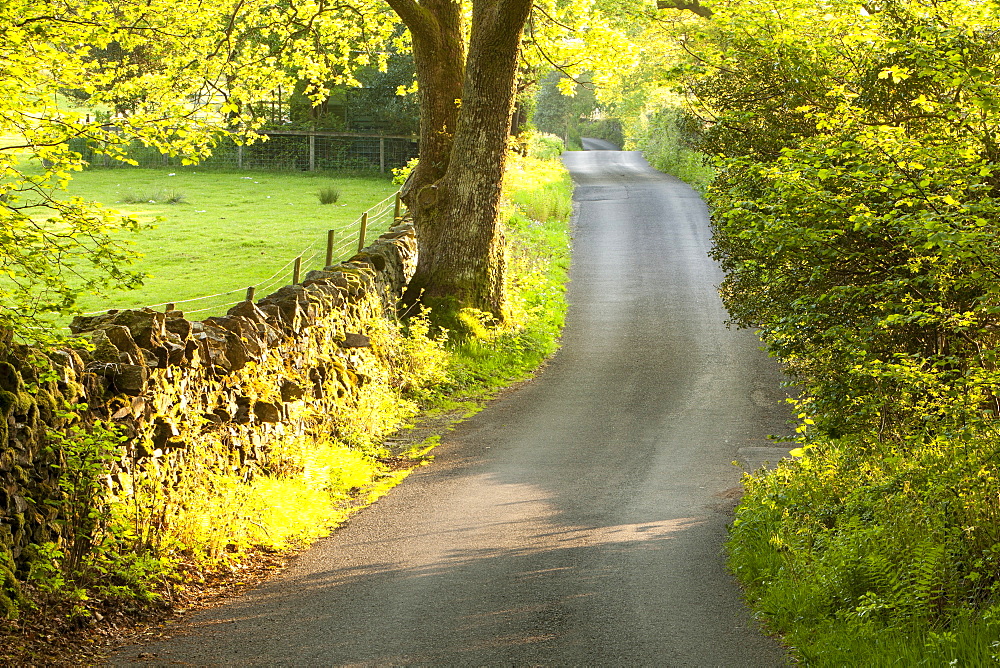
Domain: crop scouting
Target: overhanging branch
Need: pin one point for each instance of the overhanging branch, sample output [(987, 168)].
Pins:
[(690, 5)]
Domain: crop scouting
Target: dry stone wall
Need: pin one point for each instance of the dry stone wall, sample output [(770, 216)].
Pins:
[(282, 368)]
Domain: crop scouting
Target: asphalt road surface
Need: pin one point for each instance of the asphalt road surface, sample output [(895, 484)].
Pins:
[(576, 521)]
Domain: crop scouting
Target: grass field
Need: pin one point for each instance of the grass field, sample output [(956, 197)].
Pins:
[(228, 231)]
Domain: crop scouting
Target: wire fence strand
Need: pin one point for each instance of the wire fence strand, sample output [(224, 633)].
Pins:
[(345, 239)]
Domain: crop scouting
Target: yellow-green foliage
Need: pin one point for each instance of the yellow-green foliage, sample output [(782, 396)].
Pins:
[(11, 598), (538, 188), (203, 508), (542, 145), (297, 508), (292, 511), (424, 358), (409, 361), (873, 553)]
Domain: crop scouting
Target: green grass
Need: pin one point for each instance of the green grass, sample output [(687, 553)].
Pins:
[(232, 229), (549, 201)]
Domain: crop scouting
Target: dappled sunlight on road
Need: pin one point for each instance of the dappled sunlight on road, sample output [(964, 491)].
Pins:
[(523, 579)]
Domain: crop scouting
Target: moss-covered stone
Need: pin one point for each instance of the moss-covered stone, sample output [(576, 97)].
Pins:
[(23, 403), (103, 349), (8, 401), (12, 599), (10, 378), (47, 405), (20, 475), (8, 456)]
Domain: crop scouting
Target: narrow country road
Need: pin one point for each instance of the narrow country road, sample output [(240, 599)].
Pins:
[(576, 521)]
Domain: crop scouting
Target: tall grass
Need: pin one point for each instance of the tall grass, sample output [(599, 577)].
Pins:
[(549, 201), (153, 197), (329, 195)]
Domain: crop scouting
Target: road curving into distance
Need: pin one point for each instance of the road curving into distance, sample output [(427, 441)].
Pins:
[(576, 521)]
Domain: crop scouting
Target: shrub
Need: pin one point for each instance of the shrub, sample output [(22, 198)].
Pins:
[(543, 145), (400, 174), (668, 139), (329, 195), (154, 197)]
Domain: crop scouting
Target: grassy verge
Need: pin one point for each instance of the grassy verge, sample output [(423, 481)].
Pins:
[(869, 553), (217, 231), (224, 532), (538, 211), (668, 139)]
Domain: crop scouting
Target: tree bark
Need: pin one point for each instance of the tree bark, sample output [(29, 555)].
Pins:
[(455, 198), (439, 58)]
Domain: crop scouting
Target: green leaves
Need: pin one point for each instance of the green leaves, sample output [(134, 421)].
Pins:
[(856, 228)]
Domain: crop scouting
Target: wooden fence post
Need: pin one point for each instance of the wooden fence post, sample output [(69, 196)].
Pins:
[(312, 153), (381, 154), (251, 291), (363, 231), (329, 248), (396, 212), (296, 270)]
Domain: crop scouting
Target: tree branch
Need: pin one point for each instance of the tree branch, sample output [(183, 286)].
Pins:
[(416, 17), (690, 5), (561, 69)]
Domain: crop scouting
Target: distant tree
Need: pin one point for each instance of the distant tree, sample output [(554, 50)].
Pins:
[(385, 101), (558, 113)]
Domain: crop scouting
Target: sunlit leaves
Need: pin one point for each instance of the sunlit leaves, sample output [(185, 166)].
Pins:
[(859, 224), (579, 37)]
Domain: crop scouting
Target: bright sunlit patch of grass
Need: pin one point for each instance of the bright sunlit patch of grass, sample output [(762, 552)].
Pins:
[(308, 504), (235, 229)]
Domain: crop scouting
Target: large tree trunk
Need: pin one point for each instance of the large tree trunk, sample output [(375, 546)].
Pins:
[(456, 210), (439, 56)]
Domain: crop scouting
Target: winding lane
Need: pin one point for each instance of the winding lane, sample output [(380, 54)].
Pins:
[(576, 521)]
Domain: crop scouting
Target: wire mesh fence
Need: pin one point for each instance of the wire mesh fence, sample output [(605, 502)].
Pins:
[(340, 244), (282, 150)]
